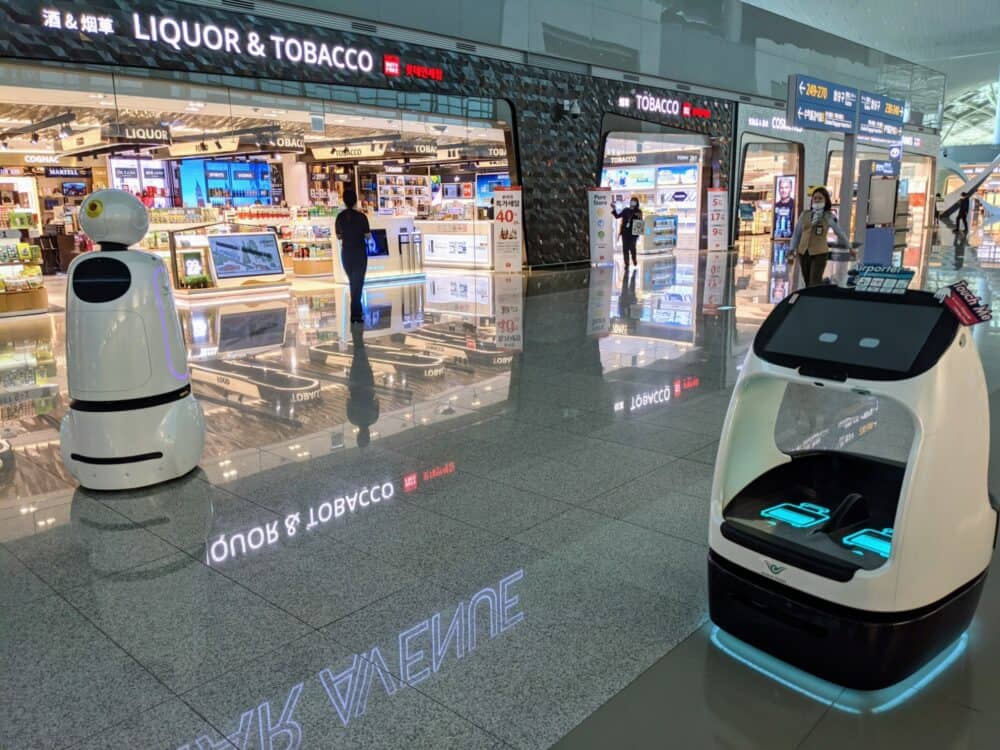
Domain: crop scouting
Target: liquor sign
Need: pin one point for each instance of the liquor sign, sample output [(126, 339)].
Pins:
[(602, 226), (139, 134), (508, 229), (815, 104)]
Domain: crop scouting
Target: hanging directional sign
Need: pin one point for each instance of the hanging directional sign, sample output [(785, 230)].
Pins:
[(816, 104), (880, 116)]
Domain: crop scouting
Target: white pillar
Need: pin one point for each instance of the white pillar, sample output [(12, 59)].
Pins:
[(296, 178)]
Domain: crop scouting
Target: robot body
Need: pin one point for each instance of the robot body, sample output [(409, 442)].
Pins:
[(132, 420)]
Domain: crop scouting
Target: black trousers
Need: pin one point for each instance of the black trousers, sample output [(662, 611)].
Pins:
[(628, 246), (962, 219), (813, 267), (356, 266)]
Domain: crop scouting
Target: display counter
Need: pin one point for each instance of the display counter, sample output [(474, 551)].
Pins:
[(22, 289), (394, 252), (457, 244), (239, 265)]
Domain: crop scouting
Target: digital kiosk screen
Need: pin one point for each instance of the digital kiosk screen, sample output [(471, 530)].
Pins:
[(239, 255), (377, 244), (879, 335)]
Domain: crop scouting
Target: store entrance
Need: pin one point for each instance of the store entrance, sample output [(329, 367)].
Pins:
[(916, 191), (769, 205), (664, 172)]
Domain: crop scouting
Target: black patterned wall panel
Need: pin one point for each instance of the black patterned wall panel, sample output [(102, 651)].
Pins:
[(558, 155)]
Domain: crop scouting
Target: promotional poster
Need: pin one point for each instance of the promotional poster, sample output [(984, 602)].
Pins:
[(784, 206)]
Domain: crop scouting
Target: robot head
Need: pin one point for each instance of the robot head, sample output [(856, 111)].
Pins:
[(114, 219)]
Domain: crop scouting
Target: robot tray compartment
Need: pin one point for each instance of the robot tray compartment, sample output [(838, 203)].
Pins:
[(825, 512)]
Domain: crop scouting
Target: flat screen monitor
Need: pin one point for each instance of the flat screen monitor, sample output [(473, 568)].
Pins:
[(863, 333), (486, 184), (74, 189), (377, 244), (241, 255), (251, 330)]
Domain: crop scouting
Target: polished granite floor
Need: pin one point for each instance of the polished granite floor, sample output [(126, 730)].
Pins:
[(481, 525)]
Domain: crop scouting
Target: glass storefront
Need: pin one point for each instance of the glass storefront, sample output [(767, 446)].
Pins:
[(211, 159), (916, 187)]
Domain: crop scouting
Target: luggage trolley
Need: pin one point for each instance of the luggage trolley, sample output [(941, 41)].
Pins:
[(856, 569)]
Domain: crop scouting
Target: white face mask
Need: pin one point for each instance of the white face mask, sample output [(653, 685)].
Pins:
[(819, 206), (634, 204)]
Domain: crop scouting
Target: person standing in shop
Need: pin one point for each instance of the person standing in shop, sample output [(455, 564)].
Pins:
[(809, 237), (354, 233), (963, 214), (631, 228)]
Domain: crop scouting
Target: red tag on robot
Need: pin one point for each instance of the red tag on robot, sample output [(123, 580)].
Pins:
[(965, 305)]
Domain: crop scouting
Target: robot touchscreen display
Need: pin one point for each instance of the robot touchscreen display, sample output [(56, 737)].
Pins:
[(866, 334)]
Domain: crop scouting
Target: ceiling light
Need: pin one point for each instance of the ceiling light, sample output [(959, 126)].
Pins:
[(65, 132), (34, 137), (4, 144)]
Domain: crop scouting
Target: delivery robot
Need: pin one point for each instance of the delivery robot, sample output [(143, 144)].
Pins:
[(132, 419), (855, 569)]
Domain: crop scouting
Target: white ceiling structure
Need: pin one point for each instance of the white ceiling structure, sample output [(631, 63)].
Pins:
[(960, 38)]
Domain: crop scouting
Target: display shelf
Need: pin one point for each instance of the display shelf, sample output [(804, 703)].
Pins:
[(404, 194)]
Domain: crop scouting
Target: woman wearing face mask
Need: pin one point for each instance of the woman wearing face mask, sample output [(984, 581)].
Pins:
[(631, 228), (809, 237)]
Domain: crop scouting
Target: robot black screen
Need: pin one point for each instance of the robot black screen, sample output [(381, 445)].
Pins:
[(866, 334)]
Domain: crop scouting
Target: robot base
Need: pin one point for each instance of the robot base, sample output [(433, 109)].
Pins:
[(856, 649), (117, 450)]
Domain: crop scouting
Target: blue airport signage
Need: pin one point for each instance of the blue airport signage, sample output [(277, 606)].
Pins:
[(880, 116), (816, 104)]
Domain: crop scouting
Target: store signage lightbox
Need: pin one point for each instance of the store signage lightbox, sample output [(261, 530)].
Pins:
[(153, 133), (350, 152), (186, 35), (664, 105)]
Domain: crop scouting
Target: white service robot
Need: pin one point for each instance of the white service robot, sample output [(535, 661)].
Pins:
[(132, 419), (855, 569)]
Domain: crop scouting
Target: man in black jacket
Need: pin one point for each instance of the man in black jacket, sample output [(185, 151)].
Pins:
[(963, 214)]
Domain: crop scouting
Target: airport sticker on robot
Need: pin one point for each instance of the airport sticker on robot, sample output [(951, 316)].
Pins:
[(964, 304), (875, 279)]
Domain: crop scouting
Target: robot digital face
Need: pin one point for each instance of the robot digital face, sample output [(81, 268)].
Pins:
[(864, 333)]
